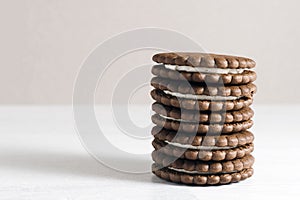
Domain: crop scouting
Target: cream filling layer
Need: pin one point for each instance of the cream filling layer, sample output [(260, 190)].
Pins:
[(196, 172), (188, 146), (174, 119), (209, 70), (200, 97)]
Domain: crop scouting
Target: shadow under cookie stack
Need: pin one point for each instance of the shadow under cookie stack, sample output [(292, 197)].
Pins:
[(202, 117)]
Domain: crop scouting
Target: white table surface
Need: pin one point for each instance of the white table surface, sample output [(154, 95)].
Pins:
[(41, 157)]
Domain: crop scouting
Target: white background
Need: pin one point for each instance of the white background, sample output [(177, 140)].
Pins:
[(43, 43)]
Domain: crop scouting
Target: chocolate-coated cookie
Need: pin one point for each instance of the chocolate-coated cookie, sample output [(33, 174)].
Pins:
[(205, 155), (203, 116), (201, 167), (203, 60), (195, 179), (194, 89), (192, 104), (232, 140), (202, 128), (245, 77)]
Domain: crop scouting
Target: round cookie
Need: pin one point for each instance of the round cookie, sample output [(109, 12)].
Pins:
[(205, 155), (202, 116), (200, 167), (194, 127), (203, 91), (245, 77), (198, 141), (192, 179), (191, 104), (204, 60)]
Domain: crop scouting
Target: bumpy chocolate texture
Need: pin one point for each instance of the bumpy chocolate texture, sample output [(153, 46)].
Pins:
[(232, 140), (246, 77), (190, 179), (202, 116), (205, 155), (202, 142), (203, 60), (191, 104), (201, 128), (203, 167), (199, 89)]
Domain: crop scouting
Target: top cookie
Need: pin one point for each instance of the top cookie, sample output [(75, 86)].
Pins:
[(204, 60)]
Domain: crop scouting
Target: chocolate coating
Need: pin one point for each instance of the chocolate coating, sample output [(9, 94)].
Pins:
[(195, 127), (190, 104), (191, 179), (201, 89), (203, 116), (203, 60), (204, 155), (237, 79), (232, 140), (204, 167)]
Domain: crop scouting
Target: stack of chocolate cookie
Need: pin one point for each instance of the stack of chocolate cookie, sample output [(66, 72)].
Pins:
[(202, 115)]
